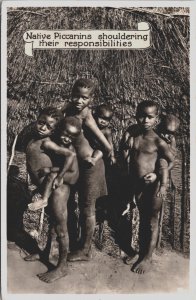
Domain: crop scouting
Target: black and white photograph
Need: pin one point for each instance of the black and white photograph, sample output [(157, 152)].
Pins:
[(112, 80)]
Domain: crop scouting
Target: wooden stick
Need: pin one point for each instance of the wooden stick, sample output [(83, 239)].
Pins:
[(12, 153), (41, 221), (160, 225)]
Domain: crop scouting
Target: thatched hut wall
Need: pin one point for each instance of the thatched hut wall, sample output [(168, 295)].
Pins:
[(123, 77)]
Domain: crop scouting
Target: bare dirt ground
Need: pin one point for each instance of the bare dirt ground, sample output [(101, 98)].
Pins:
[(102, 275)]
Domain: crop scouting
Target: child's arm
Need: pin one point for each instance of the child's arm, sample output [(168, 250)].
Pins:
[(124, 146), (171, 141), (97, 154), (69, 156), (125, 153), (173, 145), (163, 175), (108, 136), (90, 123), (91, 160), (166, 153)]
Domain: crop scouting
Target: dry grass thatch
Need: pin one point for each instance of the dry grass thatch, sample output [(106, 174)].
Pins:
[(123, 77)]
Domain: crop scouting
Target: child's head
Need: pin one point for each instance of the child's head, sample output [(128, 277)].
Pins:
[(103, 115), (147, 114), (69, 128), (47, 121), (170, 124), (82, 93)]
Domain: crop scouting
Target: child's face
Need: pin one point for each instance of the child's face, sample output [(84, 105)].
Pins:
[(45, 125), (81, 98), (103, 119), (171, 126), (148, 118), (68, 134), (169, 130)]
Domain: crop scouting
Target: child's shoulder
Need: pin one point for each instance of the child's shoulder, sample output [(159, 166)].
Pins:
[(46, 140), (159, 141), (88, 111)]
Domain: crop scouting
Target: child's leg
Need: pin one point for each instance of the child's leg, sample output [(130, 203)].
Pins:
[(72, 222), (59, 208), (87, 231), (71, 177), (48, 187), (43, 202), (92, 185), (149, 206), (87, 222)]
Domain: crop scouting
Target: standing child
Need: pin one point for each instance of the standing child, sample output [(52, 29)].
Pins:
[(92, 184), (145, 148), (43, 155), (103, 115)]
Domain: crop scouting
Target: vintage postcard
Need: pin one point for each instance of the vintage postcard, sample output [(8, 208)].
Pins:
[(96, 135)]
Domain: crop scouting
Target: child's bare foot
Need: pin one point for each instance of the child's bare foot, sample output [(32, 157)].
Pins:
[(142, 266), (130, 259), (79, 255), (38, 204), (55, 274), (32, 257)]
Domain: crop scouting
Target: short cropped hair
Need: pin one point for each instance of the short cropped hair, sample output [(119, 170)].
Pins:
[(72, 121), (103, 108), (147, 103), (52, 112), (83, 83)]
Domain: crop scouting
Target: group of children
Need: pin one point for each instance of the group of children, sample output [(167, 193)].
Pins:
[(68, 148)]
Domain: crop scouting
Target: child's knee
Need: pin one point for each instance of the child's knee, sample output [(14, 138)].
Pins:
[(88, 212), (62, 234)]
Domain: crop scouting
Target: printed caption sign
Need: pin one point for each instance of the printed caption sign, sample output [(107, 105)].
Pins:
[(88, 39)]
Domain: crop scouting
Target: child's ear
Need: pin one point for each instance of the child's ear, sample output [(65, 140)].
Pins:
[(158, 120)]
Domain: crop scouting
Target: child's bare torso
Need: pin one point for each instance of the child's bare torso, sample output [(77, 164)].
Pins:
[(145, 154), (83, 147)]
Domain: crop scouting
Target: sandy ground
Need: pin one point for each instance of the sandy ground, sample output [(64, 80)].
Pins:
[(102, 275)]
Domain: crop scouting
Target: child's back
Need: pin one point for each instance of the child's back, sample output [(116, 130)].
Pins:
[(37, 158)]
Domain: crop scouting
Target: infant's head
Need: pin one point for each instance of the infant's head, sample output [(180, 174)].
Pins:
[(103, 115), (69, 129)]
